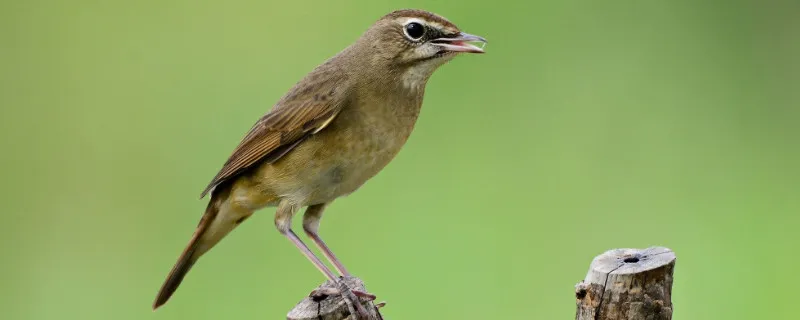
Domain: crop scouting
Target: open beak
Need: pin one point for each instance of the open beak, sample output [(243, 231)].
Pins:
[(461, 43)]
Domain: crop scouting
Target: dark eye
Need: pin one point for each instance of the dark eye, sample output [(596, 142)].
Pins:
[(415, 30)]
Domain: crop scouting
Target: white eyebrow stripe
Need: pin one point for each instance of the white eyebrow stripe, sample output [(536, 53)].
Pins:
[(436, 25), (405, 21)]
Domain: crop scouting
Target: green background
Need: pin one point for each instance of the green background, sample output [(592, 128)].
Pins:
[(588, 125)]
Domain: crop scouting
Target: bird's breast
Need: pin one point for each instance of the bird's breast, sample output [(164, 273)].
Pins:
[(361, 142), (336, 161)]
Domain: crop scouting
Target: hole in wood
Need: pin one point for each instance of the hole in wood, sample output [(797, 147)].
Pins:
[(319, 297), (631, 260), (580, 294)]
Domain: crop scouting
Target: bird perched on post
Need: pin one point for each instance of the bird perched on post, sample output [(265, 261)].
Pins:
[(334, 130)]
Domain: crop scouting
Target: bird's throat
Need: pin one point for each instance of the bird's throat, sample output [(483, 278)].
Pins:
[(416, 77)]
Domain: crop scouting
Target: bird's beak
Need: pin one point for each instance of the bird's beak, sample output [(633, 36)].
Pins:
[(461, 43)]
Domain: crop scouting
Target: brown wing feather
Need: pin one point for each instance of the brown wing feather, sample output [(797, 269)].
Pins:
[(306, 109)]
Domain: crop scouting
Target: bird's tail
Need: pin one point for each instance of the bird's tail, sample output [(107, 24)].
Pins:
[(217, 221)]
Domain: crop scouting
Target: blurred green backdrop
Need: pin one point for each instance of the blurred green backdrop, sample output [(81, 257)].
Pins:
[(587, 126)]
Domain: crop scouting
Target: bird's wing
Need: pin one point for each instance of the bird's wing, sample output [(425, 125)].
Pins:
[(305, 110)]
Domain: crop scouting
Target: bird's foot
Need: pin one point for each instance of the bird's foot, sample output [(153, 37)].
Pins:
[(364, 295), (322, 293), (355, 301)]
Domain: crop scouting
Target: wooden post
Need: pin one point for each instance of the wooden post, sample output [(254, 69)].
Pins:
[(334, 301), (629, 284)]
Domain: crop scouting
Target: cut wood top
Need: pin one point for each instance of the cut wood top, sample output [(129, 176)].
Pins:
[(627, 261)]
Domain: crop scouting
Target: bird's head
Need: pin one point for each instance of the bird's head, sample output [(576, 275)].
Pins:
[(416, 41)]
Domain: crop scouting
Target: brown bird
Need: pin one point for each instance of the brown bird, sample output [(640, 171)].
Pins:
[(334, 130)]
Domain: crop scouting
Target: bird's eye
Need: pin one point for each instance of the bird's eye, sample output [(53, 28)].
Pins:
[(414, 31)]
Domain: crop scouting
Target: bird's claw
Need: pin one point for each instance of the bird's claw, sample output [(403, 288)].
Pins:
[(364, 295), (361, 295), (323, 293), (320, 294)]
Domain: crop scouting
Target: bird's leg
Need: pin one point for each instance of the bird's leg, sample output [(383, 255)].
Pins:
[(311, 220), (311, 226), (283, 221)]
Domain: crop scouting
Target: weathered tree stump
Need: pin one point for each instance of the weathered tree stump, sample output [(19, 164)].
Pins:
[(629, 284), (336, 301)]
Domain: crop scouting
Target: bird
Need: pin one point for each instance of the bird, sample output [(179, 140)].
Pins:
[(331, 132)]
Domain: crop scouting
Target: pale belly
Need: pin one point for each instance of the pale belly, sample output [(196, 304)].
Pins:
[(333, 163)]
